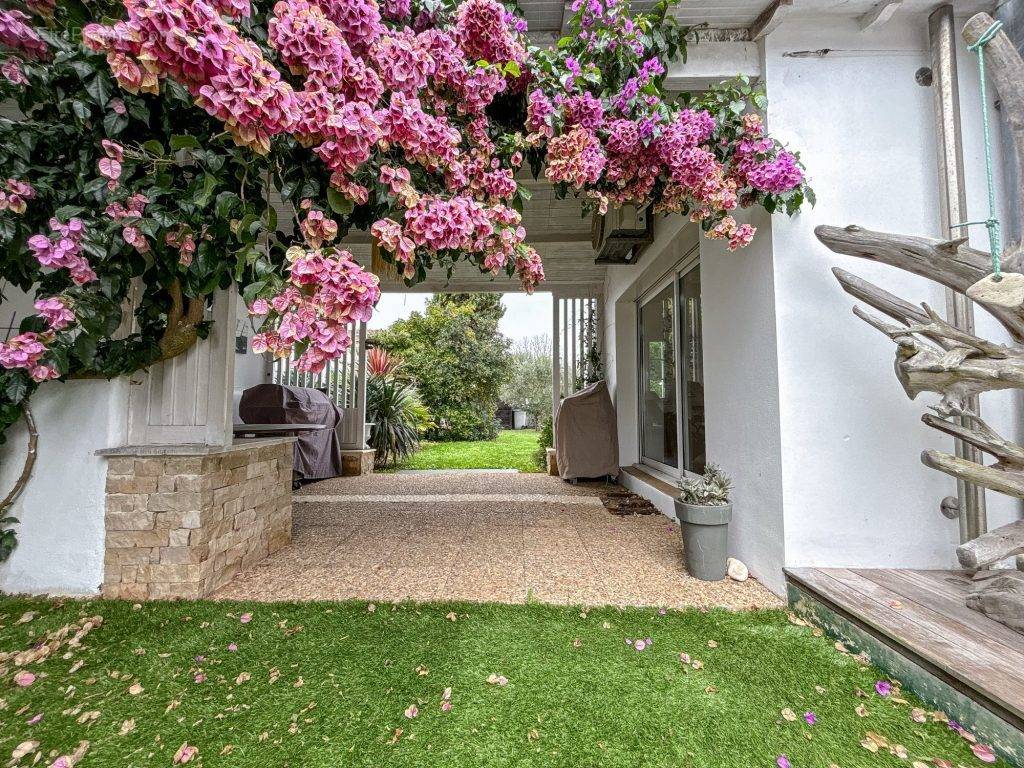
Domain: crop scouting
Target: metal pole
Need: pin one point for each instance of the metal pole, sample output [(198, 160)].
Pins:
[(953, 210)]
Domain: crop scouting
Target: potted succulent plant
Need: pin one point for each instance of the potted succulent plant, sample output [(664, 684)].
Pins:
[(704, 511)]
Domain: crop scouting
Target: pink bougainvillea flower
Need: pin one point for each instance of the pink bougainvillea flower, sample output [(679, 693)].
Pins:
[(810, 718), (883, 687), (232, 647), (110, 169), (55, 312), (639, 645), (12, 72), (245, 618), (446, 706), (41, 373), (34, 719), (200, 677), (412, 711), (185, 754), (24, 679), (113, 150), (783, 762), (259, 308), (983, 752)]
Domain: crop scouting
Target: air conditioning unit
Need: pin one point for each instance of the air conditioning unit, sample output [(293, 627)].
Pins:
[(622, 234)]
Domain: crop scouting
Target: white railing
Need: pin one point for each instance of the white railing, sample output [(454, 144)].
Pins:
[(343, 380)]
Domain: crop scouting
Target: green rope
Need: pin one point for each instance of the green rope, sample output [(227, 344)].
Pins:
[(992, 222)]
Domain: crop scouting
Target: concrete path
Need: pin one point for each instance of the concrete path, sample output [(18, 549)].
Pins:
[(482, 537)]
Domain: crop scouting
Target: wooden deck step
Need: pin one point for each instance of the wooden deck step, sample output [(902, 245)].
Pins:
[(922, 615)]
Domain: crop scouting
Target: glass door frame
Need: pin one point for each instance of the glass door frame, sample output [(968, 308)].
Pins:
[(672, 277)]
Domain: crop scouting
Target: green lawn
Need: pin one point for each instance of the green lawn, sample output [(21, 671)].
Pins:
[(513, 449), (332, 684)]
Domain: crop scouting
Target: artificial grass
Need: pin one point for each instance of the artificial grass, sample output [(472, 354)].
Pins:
[(513, 449), (577, 693)]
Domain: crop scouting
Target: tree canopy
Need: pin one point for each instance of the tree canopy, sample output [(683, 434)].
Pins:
[(459, 360)]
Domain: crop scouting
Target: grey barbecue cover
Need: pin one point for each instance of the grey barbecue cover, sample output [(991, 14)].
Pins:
[(586, 436), (317, 454)]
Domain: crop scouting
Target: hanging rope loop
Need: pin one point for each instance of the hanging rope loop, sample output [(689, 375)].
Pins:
[(992, 222)]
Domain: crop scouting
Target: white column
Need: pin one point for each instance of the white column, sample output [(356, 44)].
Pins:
[(188, 399), (556, 381)]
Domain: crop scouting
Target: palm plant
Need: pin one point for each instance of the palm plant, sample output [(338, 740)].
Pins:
[(394, 408), (380, 362)]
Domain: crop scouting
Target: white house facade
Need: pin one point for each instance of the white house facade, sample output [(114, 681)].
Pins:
[(751, 360)]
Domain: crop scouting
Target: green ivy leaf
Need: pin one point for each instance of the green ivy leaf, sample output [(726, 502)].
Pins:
[(179, 141), (17, 388), (340, 204), (99, 88), (81, 109)]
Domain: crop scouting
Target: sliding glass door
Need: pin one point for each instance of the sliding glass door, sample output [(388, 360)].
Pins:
[(672, 375), (659, 438), (692, 371)]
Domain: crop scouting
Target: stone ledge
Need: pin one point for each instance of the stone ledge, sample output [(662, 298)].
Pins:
[(194, 449), (182, 521)]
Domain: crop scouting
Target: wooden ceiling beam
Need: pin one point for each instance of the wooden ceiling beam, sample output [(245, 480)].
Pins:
[(879, 15), (770, 18)]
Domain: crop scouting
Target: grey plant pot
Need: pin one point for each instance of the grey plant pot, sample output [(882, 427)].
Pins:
[(705, 539)]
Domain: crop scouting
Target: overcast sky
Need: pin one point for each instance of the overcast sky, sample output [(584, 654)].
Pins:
[(524, 315)]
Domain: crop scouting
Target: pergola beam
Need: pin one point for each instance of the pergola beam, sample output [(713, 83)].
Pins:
[(879, 15), (770, 18), (708, 63)]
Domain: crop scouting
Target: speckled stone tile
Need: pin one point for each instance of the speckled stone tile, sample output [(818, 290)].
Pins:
[(520, 541)]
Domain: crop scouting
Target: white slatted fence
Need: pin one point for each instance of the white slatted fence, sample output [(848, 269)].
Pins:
[(342, 379), (576, 344)]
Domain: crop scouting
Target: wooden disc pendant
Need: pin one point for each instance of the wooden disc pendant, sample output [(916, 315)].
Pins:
[(1008, 291)]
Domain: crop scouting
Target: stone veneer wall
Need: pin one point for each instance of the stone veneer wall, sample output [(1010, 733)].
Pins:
[(181, 525)]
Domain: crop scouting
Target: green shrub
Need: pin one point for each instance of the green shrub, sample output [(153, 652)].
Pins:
[(396, 412), (545, 440)]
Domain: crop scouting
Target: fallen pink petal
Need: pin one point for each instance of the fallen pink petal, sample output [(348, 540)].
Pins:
[(783, 762), (983, 752), (24, 679), (245, 618), (810, 718), (883, 687), (232, 647), (412, 711)]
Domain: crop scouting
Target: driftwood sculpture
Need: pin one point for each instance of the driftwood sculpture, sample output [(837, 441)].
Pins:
[(933, 355)]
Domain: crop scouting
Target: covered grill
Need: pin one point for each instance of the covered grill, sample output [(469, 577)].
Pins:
[(586, 434), (317, 453)]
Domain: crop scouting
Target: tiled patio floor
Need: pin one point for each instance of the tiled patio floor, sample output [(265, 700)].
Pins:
[(497, 537)]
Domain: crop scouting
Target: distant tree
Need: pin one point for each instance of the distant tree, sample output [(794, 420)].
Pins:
[(458, 359), (528, 386)]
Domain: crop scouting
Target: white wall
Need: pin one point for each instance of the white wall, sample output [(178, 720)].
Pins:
[(60, 537), (802, 406), (250, 369), (855, 492), (741, 393)]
